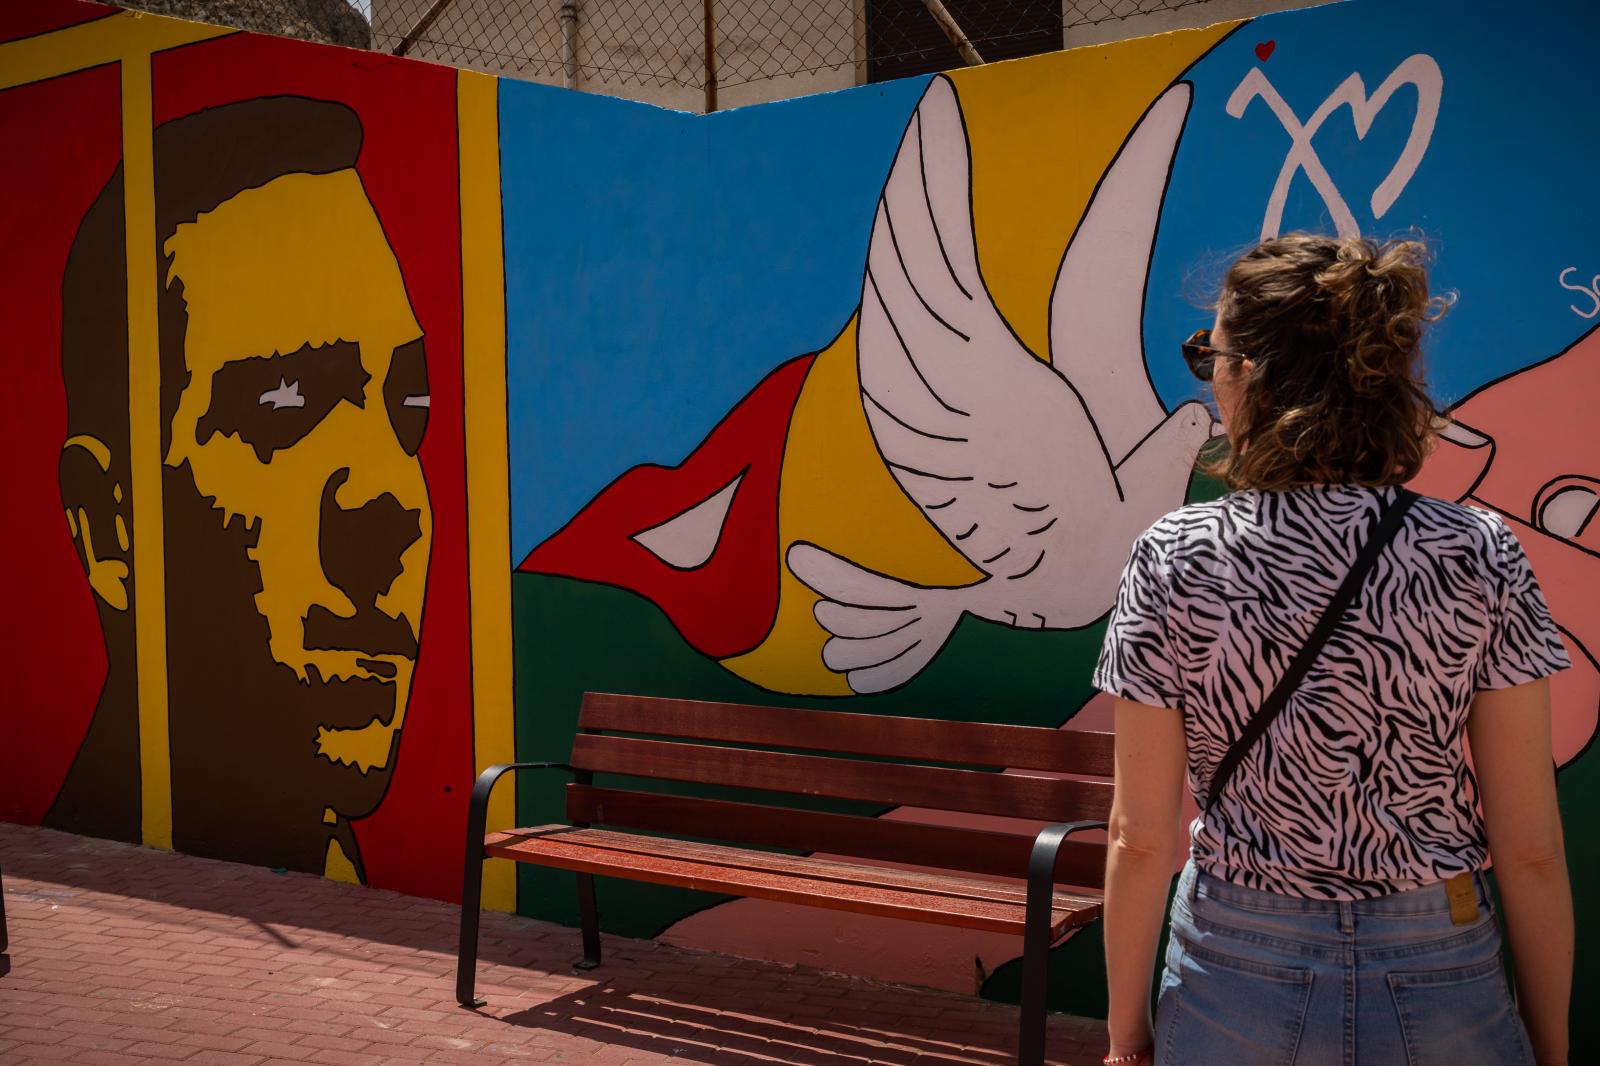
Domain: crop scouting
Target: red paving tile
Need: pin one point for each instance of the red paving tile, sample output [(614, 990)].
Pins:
[(122, 954)]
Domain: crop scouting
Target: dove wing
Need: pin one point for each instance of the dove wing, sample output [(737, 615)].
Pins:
[(975, 428), (1097, 307)]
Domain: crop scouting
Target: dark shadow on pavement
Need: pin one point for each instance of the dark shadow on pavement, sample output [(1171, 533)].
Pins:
[(621, 1013)]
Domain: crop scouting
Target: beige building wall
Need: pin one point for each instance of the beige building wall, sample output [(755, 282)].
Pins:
[(1137, 24), (654, 50), (647, 50)]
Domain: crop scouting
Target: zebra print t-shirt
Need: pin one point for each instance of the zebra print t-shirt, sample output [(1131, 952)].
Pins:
[(1360, 787)]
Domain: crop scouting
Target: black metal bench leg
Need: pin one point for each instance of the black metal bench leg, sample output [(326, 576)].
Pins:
[(471, 906), (1035, 986), (472, 890), (589, 913), (1036, 938), (1036, 947), (472, 875)]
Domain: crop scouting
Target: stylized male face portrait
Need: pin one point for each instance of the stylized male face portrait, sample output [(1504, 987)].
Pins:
[(294, 399)]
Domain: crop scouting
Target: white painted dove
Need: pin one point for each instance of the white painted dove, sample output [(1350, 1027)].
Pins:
[(1040, 474)]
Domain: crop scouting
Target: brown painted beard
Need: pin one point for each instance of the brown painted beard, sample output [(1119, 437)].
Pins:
[(247, 782)]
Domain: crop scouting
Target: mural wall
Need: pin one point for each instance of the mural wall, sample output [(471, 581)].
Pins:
[(255, 438), (376, 411)]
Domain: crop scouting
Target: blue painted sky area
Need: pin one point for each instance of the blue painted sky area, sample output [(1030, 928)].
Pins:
[(659, 265), (1504, 191)]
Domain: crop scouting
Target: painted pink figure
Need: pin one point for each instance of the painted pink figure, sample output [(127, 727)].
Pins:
[(1525, 446)]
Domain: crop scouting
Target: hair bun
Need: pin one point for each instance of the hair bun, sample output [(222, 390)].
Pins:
[(1334, 326), (1378, 308)]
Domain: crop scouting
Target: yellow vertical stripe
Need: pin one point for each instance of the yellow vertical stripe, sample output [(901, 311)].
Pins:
[(129, 38), (125, 36), (483, 326), (144, 445)]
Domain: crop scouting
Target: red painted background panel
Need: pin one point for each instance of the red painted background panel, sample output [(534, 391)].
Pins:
[(52, 658), (42, 16)]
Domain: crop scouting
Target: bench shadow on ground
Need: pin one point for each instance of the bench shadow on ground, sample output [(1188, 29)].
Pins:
[(631, 1014)]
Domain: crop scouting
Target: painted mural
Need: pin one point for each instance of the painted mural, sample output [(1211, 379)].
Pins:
[(375, 411), (244, 456), (911, 426)]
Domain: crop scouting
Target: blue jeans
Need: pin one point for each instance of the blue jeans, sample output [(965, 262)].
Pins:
[(1256, 978)]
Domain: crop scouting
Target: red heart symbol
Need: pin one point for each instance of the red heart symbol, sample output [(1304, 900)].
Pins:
[(1264, 50)]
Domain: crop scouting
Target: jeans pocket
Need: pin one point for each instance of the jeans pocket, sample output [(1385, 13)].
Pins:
[(1220, 1008), (1461, 1016)]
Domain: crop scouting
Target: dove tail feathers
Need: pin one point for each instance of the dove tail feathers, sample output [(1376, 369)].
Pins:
[(882, 632)]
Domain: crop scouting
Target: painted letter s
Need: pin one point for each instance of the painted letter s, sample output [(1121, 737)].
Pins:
[(1592, 291)]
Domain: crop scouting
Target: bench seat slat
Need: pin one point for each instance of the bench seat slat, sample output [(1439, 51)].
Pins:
[(941, 899), (1009, 890), (1049, 799), (887, 736), (983, 851)]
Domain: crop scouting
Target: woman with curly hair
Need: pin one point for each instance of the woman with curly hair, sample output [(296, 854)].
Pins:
[(1327, 638)]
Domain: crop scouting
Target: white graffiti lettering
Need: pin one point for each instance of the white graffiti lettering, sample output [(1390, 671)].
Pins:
[(1419, 70), (1591, 290)]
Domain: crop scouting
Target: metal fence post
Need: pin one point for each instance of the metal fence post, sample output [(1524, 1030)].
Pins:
[(711, 56)]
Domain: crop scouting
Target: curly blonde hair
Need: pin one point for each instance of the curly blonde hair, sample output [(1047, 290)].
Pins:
[(1338, 393)]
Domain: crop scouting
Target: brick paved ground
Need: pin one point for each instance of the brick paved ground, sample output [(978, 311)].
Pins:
[(122, 954)]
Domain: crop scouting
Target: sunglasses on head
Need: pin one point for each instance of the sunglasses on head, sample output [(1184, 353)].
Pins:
[(1201, 357)]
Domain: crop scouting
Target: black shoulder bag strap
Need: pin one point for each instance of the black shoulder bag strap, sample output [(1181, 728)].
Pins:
[(1388, 525)]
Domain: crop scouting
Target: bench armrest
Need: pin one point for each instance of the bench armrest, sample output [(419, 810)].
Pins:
[(478, 805), (1042, 875), (1046, 849)]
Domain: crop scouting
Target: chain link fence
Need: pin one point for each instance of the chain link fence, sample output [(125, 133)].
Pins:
[(684, 52), (667, 43)]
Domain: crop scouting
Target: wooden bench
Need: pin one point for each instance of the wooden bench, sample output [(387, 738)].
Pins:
[(878, 759)]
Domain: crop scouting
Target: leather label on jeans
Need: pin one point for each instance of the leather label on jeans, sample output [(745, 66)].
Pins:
[(1463, 898)]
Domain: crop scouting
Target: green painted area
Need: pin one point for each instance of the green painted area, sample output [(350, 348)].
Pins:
[(1077, 971), (1578, 789), (573, 636)]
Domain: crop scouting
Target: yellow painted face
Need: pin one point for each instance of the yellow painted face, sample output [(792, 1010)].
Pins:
[(301, 419)]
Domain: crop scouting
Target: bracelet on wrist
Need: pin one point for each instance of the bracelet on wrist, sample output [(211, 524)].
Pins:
[(1128, 1060)]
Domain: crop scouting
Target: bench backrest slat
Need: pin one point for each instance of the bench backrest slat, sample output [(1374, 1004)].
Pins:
[(884, 736), (972, 791), (980, 851)]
